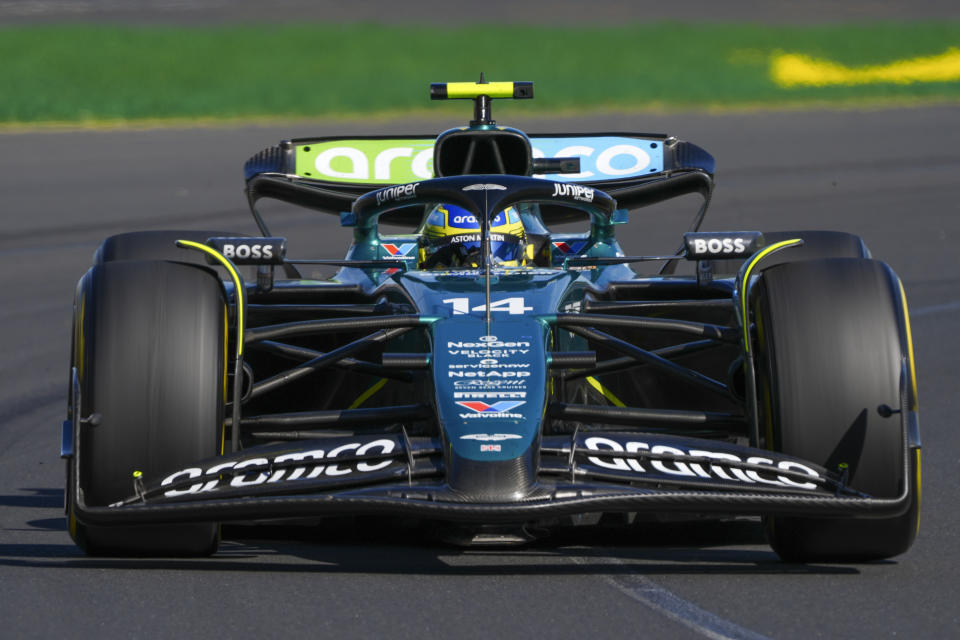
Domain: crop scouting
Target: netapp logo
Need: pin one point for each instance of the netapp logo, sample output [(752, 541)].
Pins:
[(488, 374), (716, 468)]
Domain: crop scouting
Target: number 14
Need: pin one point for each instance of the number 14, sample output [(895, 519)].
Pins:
[(515, 306)]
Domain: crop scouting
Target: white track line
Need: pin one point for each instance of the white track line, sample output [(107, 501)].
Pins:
[(936, 308), (647, 592)]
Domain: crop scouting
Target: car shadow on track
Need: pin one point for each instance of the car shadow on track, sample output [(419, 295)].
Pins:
[(35, 498), (711, 547), (375, 546)]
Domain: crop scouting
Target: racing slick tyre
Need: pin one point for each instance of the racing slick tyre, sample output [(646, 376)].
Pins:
[(149, 354), (816, 245), (833, 344), (155, 245)]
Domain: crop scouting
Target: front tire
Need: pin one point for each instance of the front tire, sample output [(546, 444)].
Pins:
[(154, 245), (817, 244), (149, 353), (833, 341)]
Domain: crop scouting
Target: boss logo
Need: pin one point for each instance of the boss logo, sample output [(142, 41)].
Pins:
[(247, 251), (718, 245), (251, 250), (707, 246)]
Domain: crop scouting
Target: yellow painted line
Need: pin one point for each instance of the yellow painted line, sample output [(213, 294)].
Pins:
[(790, 70), (757, 257), (369, 392), (606, 393), (913, 369)]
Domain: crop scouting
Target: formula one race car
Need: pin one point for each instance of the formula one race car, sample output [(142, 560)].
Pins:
[(484, 369)]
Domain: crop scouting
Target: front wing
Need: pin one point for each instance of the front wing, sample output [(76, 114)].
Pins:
[(393, 474)]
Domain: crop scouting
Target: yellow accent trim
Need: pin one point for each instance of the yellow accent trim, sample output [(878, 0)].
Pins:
[(757, 257), (763, 393), (474, 89), (238, 287), (369, 392), (913, 369), (919, 489), (606, 393), (795, 70), (226, 362), (138, 474), (236, 282)]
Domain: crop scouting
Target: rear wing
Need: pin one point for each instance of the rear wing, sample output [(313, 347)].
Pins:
[(330, 173)]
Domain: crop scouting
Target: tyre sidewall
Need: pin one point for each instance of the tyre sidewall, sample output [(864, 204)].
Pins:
[(150, 360)]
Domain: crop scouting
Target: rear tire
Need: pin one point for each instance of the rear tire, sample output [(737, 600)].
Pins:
[(149, 352), (832, 339)]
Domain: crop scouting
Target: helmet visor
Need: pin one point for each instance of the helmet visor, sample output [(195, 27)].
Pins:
[(466, 251)]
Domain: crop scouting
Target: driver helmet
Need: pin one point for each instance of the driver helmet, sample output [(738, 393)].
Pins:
[(452, 239)]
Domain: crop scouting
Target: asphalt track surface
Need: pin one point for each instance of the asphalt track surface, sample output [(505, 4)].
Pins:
[(889, 175)]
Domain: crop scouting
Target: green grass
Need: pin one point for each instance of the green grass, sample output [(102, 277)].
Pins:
[(123, 73)]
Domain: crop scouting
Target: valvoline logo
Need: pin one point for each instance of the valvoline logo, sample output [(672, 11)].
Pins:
[(399, 250), (497, 407), (570, 247)]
